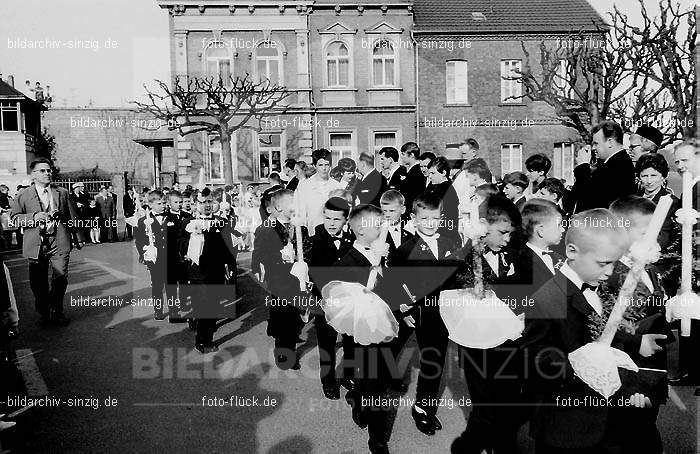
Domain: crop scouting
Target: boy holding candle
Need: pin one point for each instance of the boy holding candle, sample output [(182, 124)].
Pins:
[(276, 246), (556, 325)]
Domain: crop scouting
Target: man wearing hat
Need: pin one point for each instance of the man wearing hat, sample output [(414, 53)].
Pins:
[(647, 139), (81, 201)]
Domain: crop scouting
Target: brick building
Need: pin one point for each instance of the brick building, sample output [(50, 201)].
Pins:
[(20, 133), (463, 50)]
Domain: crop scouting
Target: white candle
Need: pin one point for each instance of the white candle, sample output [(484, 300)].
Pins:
[(657, 220)]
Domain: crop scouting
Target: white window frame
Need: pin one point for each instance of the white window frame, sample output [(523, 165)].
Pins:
[(560, 81), (337, 59), (209, 160), (511, 153), (278, 58), (373, 134), (384, 58), (217, 45), (511, 87), (562, 149), (268, 150), (337, 154), (11, 108), (451, 72)]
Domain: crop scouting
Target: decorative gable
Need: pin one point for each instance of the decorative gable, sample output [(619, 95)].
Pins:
[(383, 28), (337, 29)]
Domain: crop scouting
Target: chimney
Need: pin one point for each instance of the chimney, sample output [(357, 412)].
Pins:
[(11, 80)]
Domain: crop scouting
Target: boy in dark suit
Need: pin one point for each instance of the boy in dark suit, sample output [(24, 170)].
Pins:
[(159, 229), (646, 332), (208, 263), (394, 172), (393, 207), (543, 228), (492, 375), (360, 262), (516, 183), (329, 243), (372, 185), (558, 323), (274, 254), (426, 264)]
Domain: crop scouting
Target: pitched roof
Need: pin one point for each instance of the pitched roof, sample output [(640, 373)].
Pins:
[(7, 91), (504, 16)]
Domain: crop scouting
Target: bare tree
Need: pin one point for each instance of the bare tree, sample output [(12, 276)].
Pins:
[(621, 73), (216, 106), (124, 152)]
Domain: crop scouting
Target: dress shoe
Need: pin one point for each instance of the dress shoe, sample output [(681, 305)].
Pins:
[(59, 320), (424, 422), (358, 416), (177, 320), (684, 380), (348, 383), (285, 359), (331, 390), (158, 316), (206, 347), (378, 448)]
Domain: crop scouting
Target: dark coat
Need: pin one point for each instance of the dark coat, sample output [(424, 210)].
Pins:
[(531, 273), (107, 206), (607, 183), (216, 255), (165, 239), (370, 189), (397, 179), (670, 231), (292, 184), (129, 205), (323, 256), (450, 208), (413, 186)]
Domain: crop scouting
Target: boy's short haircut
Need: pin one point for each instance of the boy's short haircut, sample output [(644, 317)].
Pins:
[(277, 196), (538, 163), (186, 195), (363, 210), (486, 190), (518, 179), (321, 153), (478, 166), (498, 208), (155, 194), (626, 207), (537, 211), (367, 159), (337, 204), (301, 165), (441, 164), (554, 186), (274, 177), (411, 148), (342, 193), (392, 196), (427, 202), (429, 155), (587, 228), (390, 152), (174, 193), (290, 163), (347, 165), (204, 192), (471, 143)]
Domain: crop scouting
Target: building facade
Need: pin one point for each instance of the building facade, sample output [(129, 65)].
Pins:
[(20, 133), (466, 53)]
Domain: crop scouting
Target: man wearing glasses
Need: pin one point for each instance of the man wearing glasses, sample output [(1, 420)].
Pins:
[(45, 212), (647, 139)]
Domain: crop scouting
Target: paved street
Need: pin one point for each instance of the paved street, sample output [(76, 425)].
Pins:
[(157, 383)]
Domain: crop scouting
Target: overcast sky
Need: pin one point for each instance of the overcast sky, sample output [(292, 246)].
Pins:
[(80, 67)]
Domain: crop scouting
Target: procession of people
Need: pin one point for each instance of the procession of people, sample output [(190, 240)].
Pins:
[(374, 250)]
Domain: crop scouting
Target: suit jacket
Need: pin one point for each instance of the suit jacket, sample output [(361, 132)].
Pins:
[(26, 204), (323, 255), (354, 267), (520, 202), (216, 254), (129, 205), (405, 236), (370, 189), (114, 204), (556, 325), (181, 217), (270, 238), (531, 273), (165, 236), (414, 265), (607, 183), (293, 183), (397, 179), (413, 186), (106, 205), (450, 208)]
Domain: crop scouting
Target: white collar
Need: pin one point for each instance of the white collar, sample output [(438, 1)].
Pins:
[(537, 250), (395, 166), (571, 275)]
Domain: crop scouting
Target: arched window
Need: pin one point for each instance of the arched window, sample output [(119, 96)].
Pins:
[(338, 64), (383, 64), (268, 63), (218, 62)]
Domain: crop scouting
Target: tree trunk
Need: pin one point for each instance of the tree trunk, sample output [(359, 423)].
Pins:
[(225, 138)]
